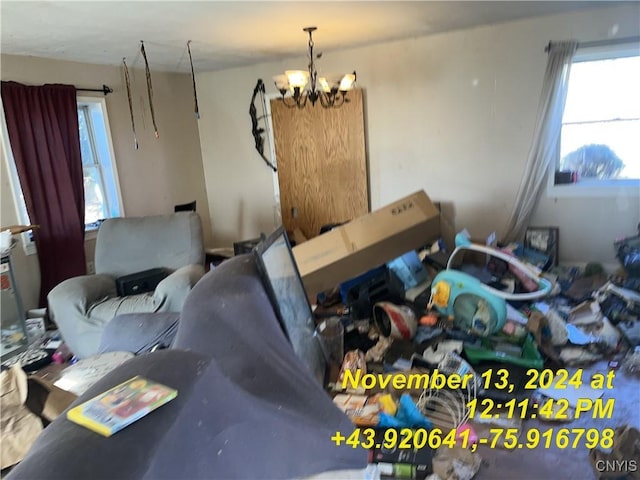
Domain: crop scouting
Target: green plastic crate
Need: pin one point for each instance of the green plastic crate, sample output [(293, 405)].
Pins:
[(530, 356)]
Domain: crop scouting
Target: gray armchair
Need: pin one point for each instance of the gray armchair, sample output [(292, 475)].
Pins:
[(82, 306)]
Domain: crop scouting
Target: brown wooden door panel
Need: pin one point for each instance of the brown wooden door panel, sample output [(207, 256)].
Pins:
[(322, 168)]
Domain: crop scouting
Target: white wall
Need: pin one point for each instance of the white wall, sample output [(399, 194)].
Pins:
[(154, 178), (451, 113)]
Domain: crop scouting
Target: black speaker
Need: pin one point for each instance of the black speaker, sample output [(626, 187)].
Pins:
[(140, 282)]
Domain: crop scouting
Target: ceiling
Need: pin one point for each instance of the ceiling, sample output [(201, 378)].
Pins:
[(229, 34)]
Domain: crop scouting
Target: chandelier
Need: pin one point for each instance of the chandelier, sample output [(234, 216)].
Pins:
[(303, 84)]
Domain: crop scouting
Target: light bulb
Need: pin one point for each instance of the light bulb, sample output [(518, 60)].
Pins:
[(347, 82), (282, 82), (330, 82), (297, 78)]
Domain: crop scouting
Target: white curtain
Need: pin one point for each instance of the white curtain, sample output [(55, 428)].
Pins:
[(545, 138)]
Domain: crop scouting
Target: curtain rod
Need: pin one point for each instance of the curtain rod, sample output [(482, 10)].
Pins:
[(105, 89), (602, 43)]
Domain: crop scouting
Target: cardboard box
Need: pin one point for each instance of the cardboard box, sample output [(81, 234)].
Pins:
[(366, 242)]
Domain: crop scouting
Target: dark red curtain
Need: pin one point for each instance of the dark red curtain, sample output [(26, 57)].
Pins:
[(43, 131)]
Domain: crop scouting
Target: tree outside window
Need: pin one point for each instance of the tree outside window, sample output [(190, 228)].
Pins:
[(601, 120)]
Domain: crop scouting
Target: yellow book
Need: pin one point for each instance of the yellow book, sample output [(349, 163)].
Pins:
[(121, 405)]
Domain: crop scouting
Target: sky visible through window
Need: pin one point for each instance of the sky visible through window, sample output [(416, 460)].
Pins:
[(603, 107), (95, 207)]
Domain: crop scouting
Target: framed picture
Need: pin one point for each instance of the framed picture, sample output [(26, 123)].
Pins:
[(543, 239)]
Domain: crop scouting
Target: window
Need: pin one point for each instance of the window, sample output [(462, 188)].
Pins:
[(101, 189), (100, 184), (599, 147)]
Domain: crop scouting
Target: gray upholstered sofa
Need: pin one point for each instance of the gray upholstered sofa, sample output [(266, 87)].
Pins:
[(82, 306)]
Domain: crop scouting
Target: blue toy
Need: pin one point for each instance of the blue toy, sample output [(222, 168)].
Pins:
[(408, 415), (474, 306)]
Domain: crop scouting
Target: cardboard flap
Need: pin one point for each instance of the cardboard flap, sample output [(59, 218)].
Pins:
[(313, 254)]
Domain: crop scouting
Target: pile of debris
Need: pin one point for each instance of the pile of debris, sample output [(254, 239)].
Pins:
[(417, 314), (490, 310)]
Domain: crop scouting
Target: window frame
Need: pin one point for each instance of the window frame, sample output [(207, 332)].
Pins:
[(100, 102), (594, 187), (28, 243)]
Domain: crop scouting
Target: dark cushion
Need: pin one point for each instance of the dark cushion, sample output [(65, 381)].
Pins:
[(247, 407)]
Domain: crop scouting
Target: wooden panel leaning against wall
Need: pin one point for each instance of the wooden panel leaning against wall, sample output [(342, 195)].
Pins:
[(322, 166)]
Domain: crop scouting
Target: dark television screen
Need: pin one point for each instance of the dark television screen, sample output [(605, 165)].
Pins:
[(288, 296)]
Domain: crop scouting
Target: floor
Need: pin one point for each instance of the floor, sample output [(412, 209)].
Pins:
[(567, 464)]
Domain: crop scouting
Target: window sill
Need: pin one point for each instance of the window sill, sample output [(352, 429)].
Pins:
[(597, 188), (91, 233), (29, 246)]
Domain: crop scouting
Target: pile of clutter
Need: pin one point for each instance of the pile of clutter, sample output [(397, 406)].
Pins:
[(594, 316), (561, 317), (490, 309)]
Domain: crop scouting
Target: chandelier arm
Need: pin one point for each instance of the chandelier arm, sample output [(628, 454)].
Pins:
[(325, 100), (303, 103), (287, 103)]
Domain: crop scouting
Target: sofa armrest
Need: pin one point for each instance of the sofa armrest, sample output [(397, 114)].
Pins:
[(80, 293), (139, 332), (69, 305), (173, 290)]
